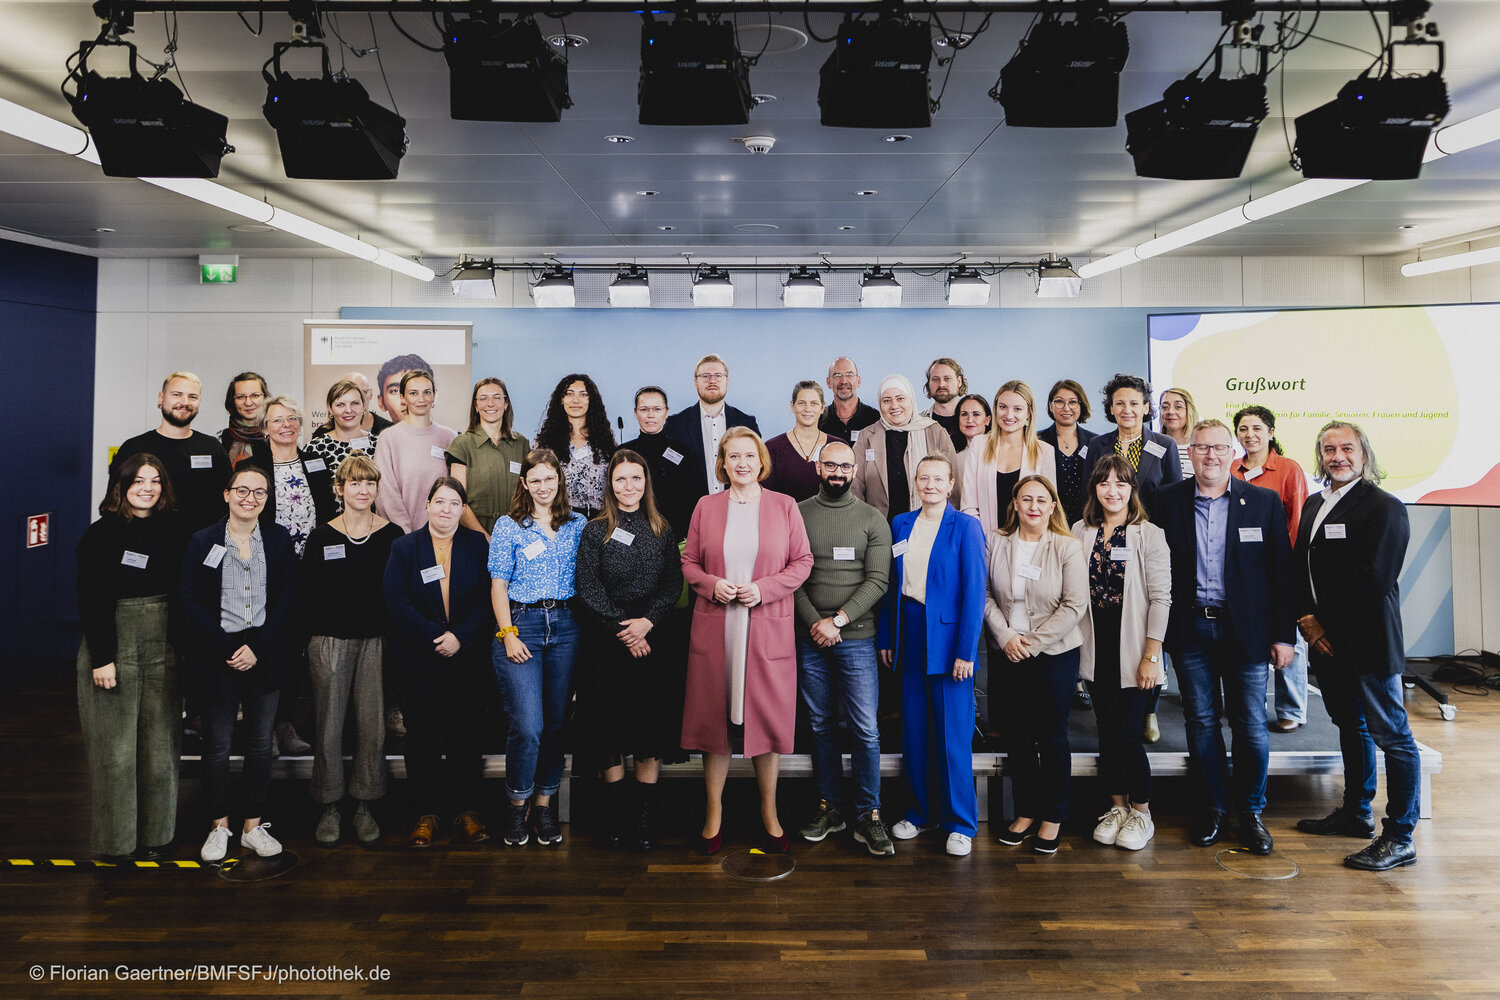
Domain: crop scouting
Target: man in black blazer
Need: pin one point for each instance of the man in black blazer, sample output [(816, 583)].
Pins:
[(1127, 405), (702, 425), (1231, 619), (1351, 543)]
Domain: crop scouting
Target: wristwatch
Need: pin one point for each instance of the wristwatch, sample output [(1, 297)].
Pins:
[(1154, 657), (840, 620)]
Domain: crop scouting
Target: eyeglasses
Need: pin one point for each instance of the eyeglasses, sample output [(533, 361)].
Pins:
[(1068, 404), (250, 397), (838, 466), (279, 421), (1203, 449), (711, 376), (843, 374), (244, 491), (650, 410)]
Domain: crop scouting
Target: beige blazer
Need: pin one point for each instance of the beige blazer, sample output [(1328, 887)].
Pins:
[(869, 468), (980, 499), (1055, 601), (1147, 598)]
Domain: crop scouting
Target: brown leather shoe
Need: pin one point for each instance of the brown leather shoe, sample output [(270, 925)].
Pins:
[(470, 828), (1284, 726), (423, 832)]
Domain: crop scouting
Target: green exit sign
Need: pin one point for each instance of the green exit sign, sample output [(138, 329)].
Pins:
[(216, 274)]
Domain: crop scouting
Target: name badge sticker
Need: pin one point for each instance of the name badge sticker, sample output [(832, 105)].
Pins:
[(854, 435), (435, 451), (1155, 449), (202, 461), (136, 559), (899, 549), (1254, 474), (333, 551), (432, 574), (1250, 535), (316, 465), (1334, 531), (622, 536), (360, 444), (1119, 553), (214, 557), (535, 549), (843, 553), (515, 468), (869, 454), (672, 455), (1083, 452), (1029, 572)]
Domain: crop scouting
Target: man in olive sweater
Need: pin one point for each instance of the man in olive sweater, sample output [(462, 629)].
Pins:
[(836, 664)]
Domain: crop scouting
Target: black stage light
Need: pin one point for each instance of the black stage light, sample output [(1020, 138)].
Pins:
[(1377, 128), (1200, 129), (1066, 74), (145, 128), (877, 75), (328, 127), (692, 73), (503, 71)]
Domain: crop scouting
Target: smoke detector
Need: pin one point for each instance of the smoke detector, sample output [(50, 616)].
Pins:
[(757, 143)]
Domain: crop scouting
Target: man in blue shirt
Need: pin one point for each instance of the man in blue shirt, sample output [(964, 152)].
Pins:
[(1231, 621)]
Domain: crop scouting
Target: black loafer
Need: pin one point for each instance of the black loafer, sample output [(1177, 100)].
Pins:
[(1209, 829), (1382, 855), (1340, 823), (154, 853), (1013, 838), (1254, 836)]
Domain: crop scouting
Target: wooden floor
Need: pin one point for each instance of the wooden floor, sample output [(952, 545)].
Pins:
[(579, 922)]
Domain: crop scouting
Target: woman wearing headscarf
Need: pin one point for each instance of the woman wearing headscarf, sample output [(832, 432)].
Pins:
[(885, 461)]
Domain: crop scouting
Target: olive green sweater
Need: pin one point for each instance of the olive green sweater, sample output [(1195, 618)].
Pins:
[(851, 546)]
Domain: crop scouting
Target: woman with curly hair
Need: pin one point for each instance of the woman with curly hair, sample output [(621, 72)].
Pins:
[(576, 425)]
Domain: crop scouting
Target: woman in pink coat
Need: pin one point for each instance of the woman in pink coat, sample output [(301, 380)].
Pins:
[(746, 554)]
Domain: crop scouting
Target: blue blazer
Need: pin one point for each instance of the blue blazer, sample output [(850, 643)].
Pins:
[(1258, 588), (1153, 473), (687, 427), (956, 579), (201, 590), (416, 608)]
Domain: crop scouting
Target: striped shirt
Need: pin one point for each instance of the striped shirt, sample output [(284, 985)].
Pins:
[(242, 590)]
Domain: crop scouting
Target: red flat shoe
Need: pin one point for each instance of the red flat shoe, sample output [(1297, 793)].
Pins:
[(711, 845), (777, 845)]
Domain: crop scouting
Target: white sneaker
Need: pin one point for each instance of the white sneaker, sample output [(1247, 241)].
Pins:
[(959, 845), (1136, 832), (907, 830), (1110, 823), (216, 846), (261, 842)]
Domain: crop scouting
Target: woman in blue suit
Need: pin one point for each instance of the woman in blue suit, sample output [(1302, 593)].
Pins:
[(932, 616)]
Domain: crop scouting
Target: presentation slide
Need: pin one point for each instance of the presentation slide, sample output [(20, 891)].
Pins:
[(1418, 380)]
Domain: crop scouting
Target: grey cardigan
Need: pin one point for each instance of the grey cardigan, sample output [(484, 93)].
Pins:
[(1055, 601), (1147, 598)]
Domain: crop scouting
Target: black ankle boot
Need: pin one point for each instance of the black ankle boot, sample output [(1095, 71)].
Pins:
[(612, 823), (644, 836)]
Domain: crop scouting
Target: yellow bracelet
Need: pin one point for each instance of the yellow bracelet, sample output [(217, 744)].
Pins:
[(508, 630)]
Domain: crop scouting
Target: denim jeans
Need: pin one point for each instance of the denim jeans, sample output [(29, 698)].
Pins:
[(842, 681), (1291, 685), (536, 698), (225, 691), (1370, 711), (1217, 682)]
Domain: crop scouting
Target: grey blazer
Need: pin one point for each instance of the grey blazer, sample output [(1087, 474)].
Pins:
[(1055, 601), (1147, 598), (870, 476)]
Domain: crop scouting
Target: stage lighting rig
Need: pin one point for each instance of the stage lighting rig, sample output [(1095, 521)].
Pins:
[(327, 126), (1200, 129), (1066, 74), (877, 75), (692, 73), (503, 71)]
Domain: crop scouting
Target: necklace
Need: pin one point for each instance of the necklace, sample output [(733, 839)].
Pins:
[(736, 499), (806, 452), (352, 539)]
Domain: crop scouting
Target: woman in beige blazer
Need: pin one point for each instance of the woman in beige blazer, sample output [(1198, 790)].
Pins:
[(899, 441), (1130, 596), (1008, 454), (1038, 590)]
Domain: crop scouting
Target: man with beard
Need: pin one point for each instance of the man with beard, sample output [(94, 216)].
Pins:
[(1351, 541), (666, 456), (195, 462), (838, 676), (946, 385), (849, 414), (701, 426)]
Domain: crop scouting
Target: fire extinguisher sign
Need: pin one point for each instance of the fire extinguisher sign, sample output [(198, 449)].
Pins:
[(38, 530)]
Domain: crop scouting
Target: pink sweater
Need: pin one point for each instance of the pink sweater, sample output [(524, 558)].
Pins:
[(409, 459)]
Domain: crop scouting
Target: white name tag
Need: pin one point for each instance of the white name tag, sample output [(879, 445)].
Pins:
[(1119, 554), (1250, 535), (360, 444), (214, 557), (672, 455), (135, 559), (853, 436), (535, 549), (1029, 572), (432, 574), (1154, 449), (1083, 452), (333, 551), (843, 553), (203, 461), (315, 465), (869, 454), (1253, 474), (515, 468), (622, 536), (1334, 531), (899, 549), (435, 451)]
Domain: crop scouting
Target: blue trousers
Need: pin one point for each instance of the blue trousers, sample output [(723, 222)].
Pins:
[(536, 699), (843, 681), (937, 723), (1217, 682), (1370, 711)]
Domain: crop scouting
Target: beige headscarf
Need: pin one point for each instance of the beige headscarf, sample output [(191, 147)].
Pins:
[(916, 441)]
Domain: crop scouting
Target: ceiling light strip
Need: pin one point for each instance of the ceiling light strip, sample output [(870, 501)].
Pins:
[(23, 123)]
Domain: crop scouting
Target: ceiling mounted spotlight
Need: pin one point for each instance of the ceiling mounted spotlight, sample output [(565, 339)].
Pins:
[(967, 287), (1056, 279), (879, 289), (802, 290), (712, 288), (1066, 74), (631, 289), (554, 289), (877, 75), (692, 73), (327, 126), (503, 71), (1200, 129), (475, 280), (144, 128)]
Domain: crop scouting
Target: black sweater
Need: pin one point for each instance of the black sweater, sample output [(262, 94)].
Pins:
[(617, 581), (104, 577), (342, 588)]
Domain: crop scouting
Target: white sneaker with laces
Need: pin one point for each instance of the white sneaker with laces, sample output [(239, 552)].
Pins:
[(1136, 832), (216, 846), (959, 845), (907, 830), (261, 842), (1110, 823)]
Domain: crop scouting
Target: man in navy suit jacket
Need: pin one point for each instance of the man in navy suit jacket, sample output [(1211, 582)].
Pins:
[(701, 426), (1231, 618)]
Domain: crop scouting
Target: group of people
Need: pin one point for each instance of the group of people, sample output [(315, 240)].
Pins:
[(681, 592)]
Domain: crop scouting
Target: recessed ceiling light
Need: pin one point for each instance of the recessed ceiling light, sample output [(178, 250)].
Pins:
[(757, 227), (252, 227), (955, 40), (867, 192), (648, 194), (1398, 227), (106, 229), (762, 98), (898, 137), (845, 229), (619, 138), (567, 41), (667, 229)]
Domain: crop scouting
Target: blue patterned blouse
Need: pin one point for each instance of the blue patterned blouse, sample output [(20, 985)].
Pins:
[(537, 568)]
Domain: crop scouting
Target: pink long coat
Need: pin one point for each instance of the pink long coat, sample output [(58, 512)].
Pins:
[(781, 565)]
